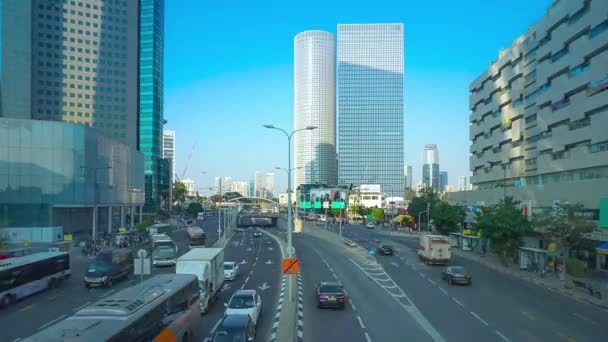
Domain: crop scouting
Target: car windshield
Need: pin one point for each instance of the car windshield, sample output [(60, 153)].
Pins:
[(228, 267), (330, 289), (229, 336), (241, 302), (458, 270), (98, 269)]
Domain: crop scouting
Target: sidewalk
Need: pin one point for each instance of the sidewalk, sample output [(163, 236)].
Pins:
[(550, 281)]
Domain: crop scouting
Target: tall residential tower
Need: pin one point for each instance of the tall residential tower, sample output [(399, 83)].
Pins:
[(370, 105), (430, 167), (314, 105)]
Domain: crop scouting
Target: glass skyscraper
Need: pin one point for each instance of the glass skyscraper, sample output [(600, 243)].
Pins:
[(370, 105), (151, 45)]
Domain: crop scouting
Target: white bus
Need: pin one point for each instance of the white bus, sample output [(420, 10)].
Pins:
[(164, 250), (24, 276), (161, 309)]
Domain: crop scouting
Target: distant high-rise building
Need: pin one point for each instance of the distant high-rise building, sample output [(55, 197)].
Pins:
[(315, 105), (259, 183), (67, 62), (463, 184), (251, 188), (227, 184), (190, 187), (370, 105), (407, 173), (270, 184), (241, 187), (443, 180), (218, 188), (151, 57), (169, 150), (430, 167)]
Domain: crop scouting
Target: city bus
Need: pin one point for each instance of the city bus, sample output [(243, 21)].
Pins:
[(161, 309), (164, 250), (24, 276), (197, 237), (160, 228)]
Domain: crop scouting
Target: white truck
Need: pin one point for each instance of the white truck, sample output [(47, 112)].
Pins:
[(207, 264), (434, 249)]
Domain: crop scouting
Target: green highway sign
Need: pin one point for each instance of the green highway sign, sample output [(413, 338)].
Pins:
[(371, 217), (604, 213), (305, 205), (318, 205), (338, 205)]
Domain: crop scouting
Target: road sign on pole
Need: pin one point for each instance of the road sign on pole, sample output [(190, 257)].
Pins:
[(291, 266), (141, 264)]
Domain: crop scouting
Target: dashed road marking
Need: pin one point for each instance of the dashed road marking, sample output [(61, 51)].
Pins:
[(529, 315), (367, 338), (361, 322), (479, 318), (584, 318), (51, 322), (82, 306), (432, 281), (502, 336), (217, 324), (352, 305), (26, 308), (458, 302), (422, 275), (442, 290)]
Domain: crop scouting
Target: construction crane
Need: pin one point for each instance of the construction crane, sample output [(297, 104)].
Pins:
[(194, 146)]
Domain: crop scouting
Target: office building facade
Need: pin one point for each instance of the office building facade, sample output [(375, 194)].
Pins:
[(443, 180), (72, 61), (270, 190), (151, 60), (430, 167), (370, 105), (217, 186), (539, 113), (169, 150), (315, 105), (463, 184), (259, 183)]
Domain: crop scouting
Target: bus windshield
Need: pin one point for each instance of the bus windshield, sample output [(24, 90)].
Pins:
[(98, 268)]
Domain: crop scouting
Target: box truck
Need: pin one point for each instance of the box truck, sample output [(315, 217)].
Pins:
[(207, 264), (434, 249)]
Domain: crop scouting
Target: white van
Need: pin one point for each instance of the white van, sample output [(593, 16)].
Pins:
[(434, 249)]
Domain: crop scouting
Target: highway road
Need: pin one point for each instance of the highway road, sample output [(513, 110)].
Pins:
[(37, 312), (497, 307)]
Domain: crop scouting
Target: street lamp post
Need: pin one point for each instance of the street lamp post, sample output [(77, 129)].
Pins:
[(289, 204)]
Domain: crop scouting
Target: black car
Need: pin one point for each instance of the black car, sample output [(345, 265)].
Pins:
[(456, 275), (236, 328), (109, 266), (330, 295), (385, 250)]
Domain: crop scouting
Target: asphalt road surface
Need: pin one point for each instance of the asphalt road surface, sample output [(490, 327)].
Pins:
[(497, 307), (36, 312)]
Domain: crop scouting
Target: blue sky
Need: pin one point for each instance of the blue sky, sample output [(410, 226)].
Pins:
[(229, 69)]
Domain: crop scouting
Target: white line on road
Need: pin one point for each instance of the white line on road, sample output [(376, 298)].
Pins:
[(17, 339), (502, 336), (361, 322), (432, 281), (82, 306), (51, 322), (217, 324), (422, 274), (108, 293), (352, 305), (479, 318), (369, 339), (247, 279), (457, 301), (442, 290)]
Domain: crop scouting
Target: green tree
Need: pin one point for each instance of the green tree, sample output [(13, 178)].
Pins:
[(378, 213), (564, 225), (410, 194), (356, 210), (214, 198), (179, 192), (146, 222), (194, 208), (447, 217), (427, 199), (505, 225)]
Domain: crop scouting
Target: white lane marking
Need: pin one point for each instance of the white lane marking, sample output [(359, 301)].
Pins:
[(352, 305), (432, 281), (442, 290), (17, 339), (479, 318), (367, 338), (51, 322), (361, 322), (217, 324), (422, 275), (502, 336), (82, 306), (247, 279), (457, 301), (108, 293)]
